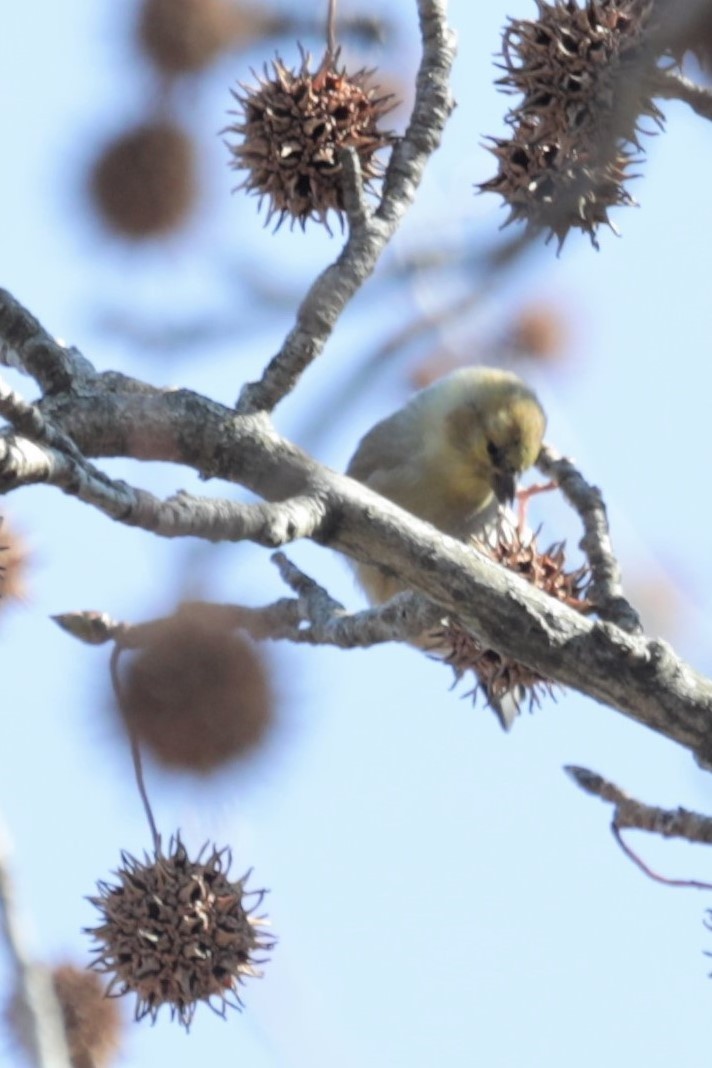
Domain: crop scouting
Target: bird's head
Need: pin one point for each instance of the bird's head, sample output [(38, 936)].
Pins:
[(494, 425)]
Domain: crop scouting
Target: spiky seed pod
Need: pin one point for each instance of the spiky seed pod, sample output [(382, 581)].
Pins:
[(290, 129), (500, 677), (185, 36), (177, 931), (144, 183), (13, 565), (92, 1022), (581, 74), (198, 695)]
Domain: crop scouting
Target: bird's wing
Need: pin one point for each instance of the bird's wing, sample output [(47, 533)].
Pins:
[(385, 451)]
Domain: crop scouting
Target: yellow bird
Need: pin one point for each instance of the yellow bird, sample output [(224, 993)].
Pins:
[(451, 456)]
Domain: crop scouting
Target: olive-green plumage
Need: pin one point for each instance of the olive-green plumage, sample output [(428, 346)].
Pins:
[(451, 456)]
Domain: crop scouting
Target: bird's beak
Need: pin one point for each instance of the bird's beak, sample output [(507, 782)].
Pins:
[(503, 486)]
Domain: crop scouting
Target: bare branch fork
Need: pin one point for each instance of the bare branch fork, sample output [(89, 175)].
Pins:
[(83, 416), (370, 232), (628, 813), (109, 416)]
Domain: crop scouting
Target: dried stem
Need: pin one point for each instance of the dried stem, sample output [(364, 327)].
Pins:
[(135, 749), (687, 884)]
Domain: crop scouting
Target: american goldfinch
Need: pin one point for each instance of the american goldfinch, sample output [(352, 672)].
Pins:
[(451, 456)]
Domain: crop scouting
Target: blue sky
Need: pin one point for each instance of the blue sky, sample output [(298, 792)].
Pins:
[(441, 891)]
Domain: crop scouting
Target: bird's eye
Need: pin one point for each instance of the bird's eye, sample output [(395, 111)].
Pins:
[(494, 453)]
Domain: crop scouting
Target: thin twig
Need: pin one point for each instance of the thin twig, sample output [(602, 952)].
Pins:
[(605, 591), (332, 290), (355, 205), (629, 813), (331, 29), (312, 618), (671, 85), (24, 463), (635, 815), (687, 884)]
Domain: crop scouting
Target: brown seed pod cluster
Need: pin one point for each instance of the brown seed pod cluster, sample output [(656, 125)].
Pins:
[(289, 132), (197, 695), (186, 36), (92, 1022), (500, 678), (144, 183), (177, 931), (581, 73)]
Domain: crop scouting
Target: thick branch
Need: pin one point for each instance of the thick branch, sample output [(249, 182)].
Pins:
[(369, 234), (643, 678)]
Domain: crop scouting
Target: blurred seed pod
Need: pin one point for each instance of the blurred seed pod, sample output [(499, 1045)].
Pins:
[(537, 332), (144, 183), (197, 695), (186, 36), (92, 1021), (289, 131), (176, 931), (582, 74), (436, 364), (14, 557)]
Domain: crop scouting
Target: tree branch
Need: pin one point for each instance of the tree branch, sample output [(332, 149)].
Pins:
[(26, 346), (312, 618), (23, 463), (671, 85), (643, 678), (369, 234), (605, 591), (629, 813)]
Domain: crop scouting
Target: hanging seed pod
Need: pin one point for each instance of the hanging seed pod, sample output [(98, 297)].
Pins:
[(197, 694), (144, 183), (581, 74), (290, 129), (176, 931), (186, 36)]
